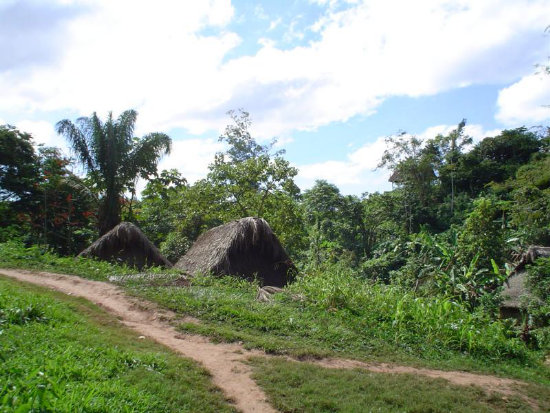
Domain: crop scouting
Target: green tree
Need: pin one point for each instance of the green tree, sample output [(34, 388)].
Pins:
[(19, 177), (248, 173), (450, 149), (335, 222), (66, 214), (114, 158), (482, 237), (413, 167), (18, 167), (249, 179), (495, 159)]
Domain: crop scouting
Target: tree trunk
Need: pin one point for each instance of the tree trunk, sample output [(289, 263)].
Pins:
[(109, 212)]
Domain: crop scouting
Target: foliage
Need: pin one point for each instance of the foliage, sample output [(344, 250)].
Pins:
[(44, 202), (18, 166), (174, 247), (335, 311), (335, 223), (66, 213), (59, 354), (538, 305), (159, 213), (113, 157), (530, 209), (482, 235)]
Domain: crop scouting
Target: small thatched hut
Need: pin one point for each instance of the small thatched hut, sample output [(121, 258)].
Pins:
[(126, 243), (246, 247), (515, 288)]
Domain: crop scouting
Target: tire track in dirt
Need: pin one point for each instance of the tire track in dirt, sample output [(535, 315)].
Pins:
[(226, 362)]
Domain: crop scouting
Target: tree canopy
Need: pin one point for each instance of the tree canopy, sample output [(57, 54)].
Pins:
[(113, 157)]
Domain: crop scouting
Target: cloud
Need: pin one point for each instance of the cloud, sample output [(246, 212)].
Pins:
[(358, 173), (168, 60), (525, 101), (191, 157), (354, 175), (43, 133), (33, 33)]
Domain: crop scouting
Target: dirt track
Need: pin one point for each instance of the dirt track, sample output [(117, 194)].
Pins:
[(224, 361)]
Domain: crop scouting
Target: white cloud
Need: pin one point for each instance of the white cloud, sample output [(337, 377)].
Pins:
[(191, 157), (274, 24), (43, 133), (526, 101), (158, 60), (355, 175)]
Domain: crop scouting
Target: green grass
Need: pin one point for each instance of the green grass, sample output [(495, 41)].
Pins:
[(14, 255), (328, 313), (301, 387), (59, 353), (368, 322)]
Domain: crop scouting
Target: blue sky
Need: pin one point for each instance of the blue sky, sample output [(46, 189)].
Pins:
[(329, 78)]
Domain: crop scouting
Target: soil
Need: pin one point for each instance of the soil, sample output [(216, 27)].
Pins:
[(226, 362)]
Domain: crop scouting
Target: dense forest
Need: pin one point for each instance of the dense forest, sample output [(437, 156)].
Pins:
[(458, 214)]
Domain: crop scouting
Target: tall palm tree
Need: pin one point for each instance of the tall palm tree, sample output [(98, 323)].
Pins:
[(113, 157)]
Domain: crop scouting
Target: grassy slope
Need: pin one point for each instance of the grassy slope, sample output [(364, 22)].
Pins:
[(64, 354), (229, 312), (339, 317)]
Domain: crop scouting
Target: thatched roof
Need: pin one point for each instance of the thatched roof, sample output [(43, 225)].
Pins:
[(515, 287), (246, 247), (126, 243)]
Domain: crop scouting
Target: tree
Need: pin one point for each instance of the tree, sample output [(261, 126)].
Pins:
[(248, 172), (335, 222), (450, 149), (67, 209), (249, 179), (113, 157), (18, 166), (19, 176), (413, 167)]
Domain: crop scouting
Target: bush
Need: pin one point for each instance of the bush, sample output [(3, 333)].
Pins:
[(175, 246), (538, 306)]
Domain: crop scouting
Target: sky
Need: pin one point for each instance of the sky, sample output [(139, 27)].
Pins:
[(330, 79)]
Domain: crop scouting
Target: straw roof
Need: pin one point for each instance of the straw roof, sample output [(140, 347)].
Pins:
[(247, 248), (515, 287), (125, 243)]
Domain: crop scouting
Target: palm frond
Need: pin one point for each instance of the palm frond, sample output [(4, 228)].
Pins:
[(78, 140), (146, 153)]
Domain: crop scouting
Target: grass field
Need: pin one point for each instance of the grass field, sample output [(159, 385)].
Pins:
[(63, 354), (336, 314)]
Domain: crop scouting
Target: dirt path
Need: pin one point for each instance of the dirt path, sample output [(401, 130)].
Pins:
[(225, 362)]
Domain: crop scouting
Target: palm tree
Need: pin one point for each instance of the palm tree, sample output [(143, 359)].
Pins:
[(113, 157)]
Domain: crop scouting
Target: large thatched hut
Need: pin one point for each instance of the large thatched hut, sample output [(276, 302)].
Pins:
[(515, 288), (246, 247), (125, 243)]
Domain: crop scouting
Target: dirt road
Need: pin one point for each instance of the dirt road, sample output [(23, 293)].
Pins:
[(225, 362)]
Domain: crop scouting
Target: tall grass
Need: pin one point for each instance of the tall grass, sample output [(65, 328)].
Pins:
[(409, 320)]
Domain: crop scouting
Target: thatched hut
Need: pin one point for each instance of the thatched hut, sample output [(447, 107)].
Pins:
[(515, 288), (125, 243), (247, 248)]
